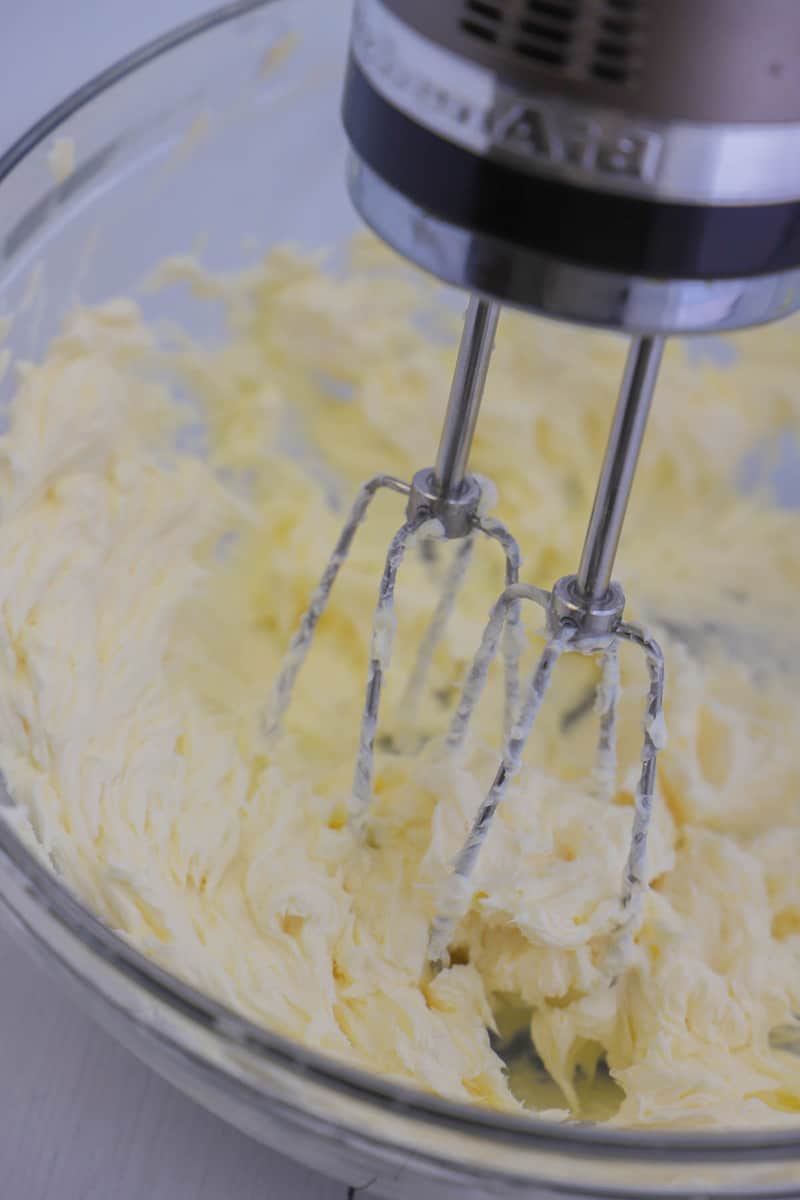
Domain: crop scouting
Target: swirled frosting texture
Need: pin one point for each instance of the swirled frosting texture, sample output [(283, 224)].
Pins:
[(159, 538)]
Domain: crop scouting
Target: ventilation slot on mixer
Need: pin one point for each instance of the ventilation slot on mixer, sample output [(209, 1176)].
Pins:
[(601, 42), (616, 56), (482, 19), (546, 31)]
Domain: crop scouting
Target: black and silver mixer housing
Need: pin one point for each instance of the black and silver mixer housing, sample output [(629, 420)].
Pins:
[(629, 164)]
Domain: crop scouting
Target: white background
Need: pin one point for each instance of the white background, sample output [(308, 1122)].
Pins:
[(80, 1119)]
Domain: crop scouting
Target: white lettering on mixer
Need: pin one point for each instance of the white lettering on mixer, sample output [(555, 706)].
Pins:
[(538, 131)]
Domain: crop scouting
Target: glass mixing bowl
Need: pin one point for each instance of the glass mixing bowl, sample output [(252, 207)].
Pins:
[(229, 127)]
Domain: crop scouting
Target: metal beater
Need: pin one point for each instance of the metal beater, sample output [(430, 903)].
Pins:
[(584, 611)]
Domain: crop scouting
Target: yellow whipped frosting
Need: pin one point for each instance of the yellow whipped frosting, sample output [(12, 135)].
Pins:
[(159, 539)]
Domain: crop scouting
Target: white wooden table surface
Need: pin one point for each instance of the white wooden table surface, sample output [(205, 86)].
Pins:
[(80, 1119)]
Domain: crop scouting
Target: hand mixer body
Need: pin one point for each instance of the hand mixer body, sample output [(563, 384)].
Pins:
[(631, 164), (627, 164)]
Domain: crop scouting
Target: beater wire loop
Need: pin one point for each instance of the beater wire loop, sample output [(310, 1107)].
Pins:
[(487, 652), (301, 642), (607, 701), (451, 588), (456, 893), (383, 630), (512, 633), (635, 877)]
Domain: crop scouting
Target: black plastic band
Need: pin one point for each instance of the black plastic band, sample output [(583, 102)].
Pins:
[(615, 233)]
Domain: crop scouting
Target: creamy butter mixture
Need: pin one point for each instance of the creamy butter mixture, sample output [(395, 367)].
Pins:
[(167, 509)]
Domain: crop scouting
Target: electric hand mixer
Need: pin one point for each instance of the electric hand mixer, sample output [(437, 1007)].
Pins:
[(627, 164)]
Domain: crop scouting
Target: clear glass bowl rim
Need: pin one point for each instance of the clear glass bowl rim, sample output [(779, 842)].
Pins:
[(78, 923)]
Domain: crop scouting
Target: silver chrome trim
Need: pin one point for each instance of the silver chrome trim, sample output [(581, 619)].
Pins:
[(565, 291), (606, 149)]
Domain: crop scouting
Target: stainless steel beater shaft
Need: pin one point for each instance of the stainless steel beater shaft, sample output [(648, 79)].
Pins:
[(446, 491), (584, 614), (619, 467), (466, 394), (448, 479)]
